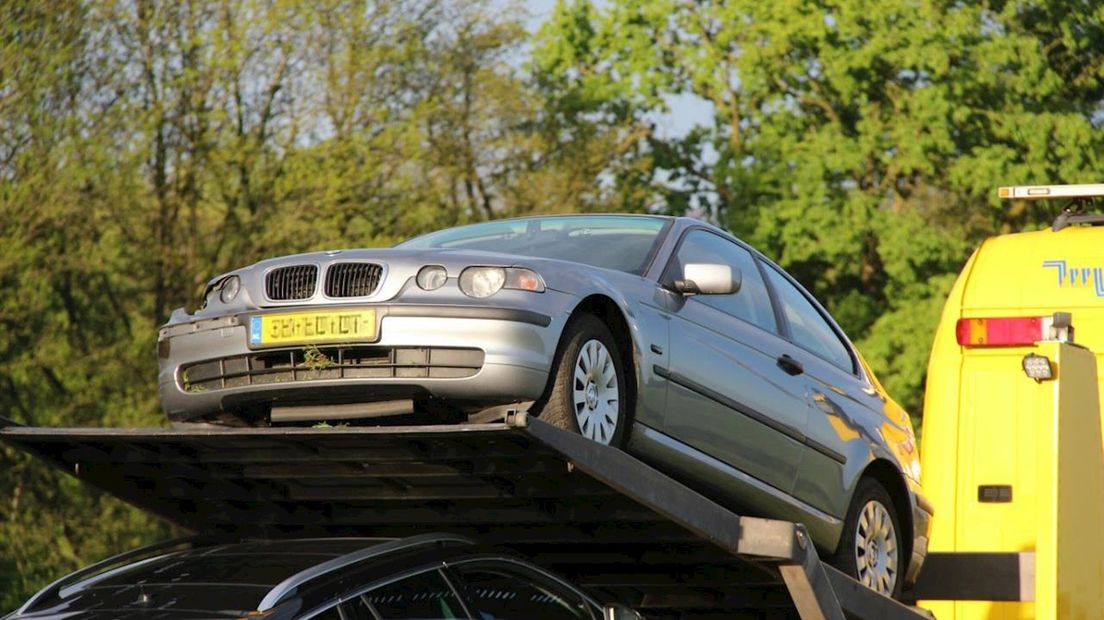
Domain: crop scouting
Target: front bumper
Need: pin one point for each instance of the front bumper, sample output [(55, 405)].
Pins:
[(922, 512), (431, 351)]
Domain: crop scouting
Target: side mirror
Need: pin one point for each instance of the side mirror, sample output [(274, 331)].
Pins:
[(616, 611), (708, 279)]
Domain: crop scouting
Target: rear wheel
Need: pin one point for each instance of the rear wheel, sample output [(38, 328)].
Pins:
[(870, 548), (588, 394)]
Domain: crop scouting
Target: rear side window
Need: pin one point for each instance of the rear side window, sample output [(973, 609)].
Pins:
[(507, 593), (808, 327), (751, 303), (425, 596)]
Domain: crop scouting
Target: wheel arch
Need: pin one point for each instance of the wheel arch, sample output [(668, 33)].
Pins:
[(613, 316), (890, 478)]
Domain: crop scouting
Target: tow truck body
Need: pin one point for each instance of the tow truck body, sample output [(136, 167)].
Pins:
[(1011, 457)]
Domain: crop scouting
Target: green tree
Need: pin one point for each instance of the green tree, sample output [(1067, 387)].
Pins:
[(146, 146), (71, 350), (857, 142)]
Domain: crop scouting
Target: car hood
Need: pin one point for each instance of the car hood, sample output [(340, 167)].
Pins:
[(399, 266), (447, 257)]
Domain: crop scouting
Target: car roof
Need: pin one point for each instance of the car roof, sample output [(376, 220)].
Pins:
[(595, 214), (215, 580)]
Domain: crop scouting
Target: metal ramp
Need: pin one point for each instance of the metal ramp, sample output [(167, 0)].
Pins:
[(595, 514)]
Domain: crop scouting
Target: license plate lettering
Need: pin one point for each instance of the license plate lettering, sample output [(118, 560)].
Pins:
[(310, 327), (349, 325)]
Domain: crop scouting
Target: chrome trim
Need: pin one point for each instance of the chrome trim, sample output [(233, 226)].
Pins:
[(325, 273), (675, 445), (290, 302), (288, 586)]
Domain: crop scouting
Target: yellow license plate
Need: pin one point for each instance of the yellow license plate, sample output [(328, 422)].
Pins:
[(313, 327)]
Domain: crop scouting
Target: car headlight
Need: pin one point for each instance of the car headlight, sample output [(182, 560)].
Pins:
[(486, 281), (482, 281), (229, 290), (431, 277)]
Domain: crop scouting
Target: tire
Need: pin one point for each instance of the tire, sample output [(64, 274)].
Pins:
[(866, 551), (589, 391)]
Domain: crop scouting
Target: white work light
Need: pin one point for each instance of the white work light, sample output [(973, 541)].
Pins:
[(1037, 367)]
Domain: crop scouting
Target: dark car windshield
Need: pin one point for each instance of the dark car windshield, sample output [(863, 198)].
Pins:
[(620, 242)]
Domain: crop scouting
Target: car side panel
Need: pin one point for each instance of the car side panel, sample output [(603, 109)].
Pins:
[(729, 486), (727, 396), (651, 402), (640, 302), (839, 436)]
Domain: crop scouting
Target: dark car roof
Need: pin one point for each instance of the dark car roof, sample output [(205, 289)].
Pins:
[(212, 581)]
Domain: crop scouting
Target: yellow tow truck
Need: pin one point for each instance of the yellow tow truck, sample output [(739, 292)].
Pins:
[(1011, 453)]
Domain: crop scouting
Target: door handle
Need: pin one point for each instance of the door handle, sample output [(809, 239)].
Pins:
[(790, 365)]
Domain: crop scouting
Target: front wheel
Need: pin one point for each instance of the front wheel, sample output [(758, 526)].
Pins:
[(870, 548), (588, 392)]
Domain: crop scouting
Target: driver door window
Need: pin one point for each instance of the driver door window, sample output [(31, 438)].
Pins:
[(751, 303)]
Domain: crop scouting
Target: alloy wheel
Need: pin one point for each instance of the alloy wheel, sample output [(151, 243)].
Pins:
[(876, 552), (595, 393)]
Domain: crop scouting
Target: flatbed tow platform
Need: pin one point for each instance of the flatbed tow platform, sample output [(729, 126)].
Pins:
[(592, 513)]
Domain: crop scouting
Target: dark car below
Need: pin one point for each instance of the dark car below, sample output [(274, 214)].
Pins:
[(429, 577)]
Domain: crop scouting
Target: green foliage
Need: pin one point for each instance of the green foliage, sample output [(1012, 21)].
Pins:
[(146, 146), (315, 359), (857, 142)]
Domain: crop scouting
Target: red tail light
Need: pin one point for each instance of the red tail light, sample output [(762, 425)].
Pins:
[(1002, 332)]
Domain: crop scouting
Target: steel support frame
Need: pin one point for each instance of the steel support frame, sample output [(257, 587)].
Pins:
[(781, 543)]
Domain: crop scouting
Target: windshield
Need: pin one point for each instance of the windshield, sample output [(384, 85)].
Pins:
[(620, 242)]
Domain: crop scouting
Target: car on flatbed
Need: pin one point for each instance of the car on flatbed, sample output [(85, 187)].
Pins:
[(429, 577), (665, 336)]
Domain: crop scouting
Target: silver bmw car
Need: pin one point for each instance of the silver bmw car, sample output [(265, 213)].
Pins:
[(665, 336)]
